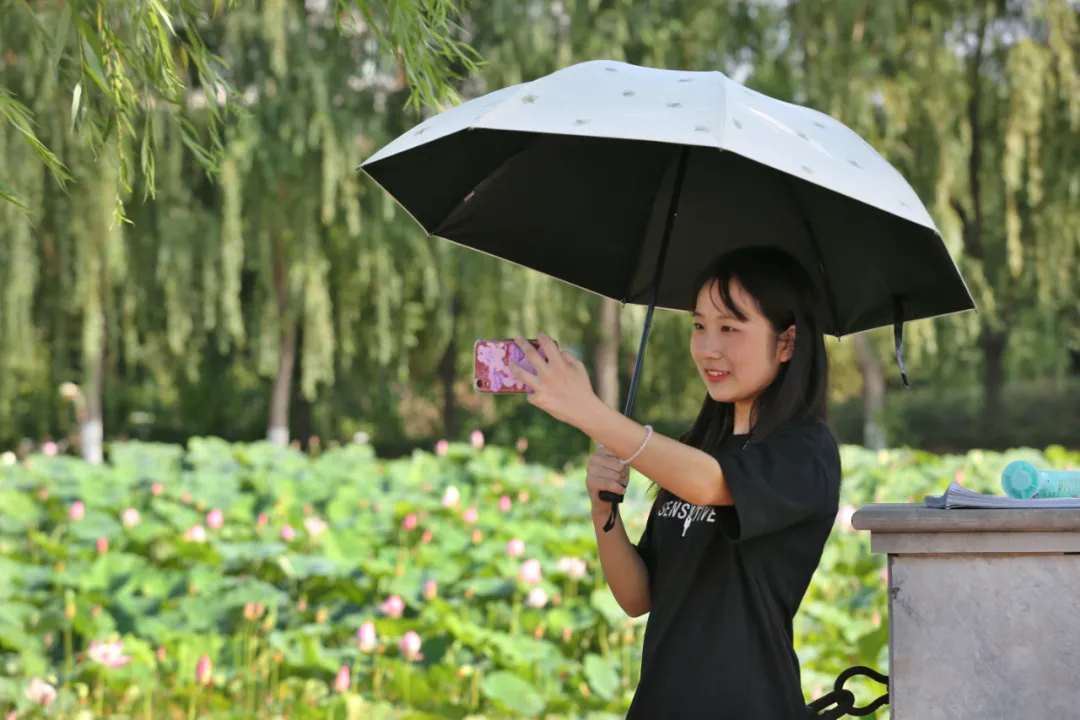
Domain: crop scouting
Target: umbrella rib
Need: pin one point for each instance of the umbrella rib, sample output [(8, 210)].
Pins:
[(452, 215), (630, 293), (826, 287)]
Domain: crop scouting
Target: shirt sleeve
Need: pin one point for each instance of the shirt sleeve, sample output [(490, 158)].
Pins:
[(791, 476)]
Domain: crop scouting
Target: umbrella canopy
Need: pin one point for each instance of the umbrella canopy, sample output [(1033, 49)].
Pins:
[(626, 181)]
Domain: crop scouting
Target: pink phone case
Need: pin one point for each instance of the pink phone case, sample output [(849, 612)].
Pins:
[(491, 366)]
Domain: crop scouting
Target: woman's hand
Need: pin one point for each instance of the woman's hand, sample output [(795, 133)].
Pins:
[(561, 385), (605, 472)]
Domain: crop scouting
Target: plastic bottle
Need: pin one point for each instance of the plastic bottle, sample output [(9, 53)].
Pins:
[(1022, 480)]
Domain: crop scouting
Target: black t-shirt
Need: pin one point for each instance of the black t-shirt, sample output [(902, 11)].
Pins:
[(725, 582)]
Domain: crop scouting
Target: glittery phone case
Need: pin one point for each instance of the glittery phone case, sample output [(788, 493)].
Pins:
[(491, 366)]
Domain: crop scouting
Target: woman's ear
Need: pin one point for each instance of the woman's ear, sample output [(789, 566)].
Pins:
[(785, 348)]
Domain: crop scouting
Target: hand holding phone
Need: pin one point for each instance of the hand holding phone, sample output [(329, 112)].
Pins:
[(491, 366)]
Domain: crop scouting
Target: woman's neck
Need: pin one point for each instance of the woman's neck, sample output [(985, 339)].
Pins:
[(742, 417)]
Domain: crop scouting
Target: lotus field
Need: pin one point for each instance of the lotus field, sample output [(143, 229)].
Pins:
[(244, 581)]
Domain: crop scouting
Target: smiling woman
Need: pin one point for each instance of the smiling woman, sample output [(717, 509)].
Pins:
[(745, 502)]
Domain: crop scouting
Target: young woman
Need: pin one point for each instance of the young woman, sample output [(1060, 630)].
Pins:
[(745, 500)]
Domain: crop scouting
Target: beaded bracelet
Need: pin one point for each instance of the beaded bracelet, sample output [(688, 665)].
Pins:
[(648, 436)]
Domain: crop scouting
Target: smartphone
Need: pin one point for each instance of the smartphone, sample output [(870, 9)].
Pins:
[(491, 366)]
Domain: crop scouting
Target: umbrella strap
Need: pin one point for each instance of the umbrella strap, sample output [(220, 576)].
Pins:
[(844, 700), (898, 335), (614, 515)]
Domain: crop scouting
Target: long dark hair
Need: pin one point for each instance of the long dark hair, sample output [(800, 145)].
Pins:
[(786, 296)]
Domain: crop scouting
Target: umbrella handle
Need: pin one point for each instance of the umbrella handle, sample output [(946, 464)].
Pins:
[(610, 496)]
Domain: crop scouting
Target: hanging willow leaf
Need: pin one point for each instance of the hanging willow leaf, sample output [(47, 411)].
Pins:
[(126, 49)]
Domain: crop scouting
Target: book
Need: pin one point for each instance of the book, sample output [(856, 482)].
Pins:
[(958, 496)]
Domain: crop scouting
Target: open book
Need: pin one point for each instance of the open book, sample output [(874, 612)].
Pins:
[(958, 496)]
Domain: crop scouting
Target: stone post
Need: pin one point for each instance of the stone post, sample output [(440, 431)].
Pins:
[(984, 611)]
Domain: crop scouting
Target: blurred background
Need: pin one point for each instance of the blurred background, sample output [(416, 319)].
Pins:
[(282, 289)]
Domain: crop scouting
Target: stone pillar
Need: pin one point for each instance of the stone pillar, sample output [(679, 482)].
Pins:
[(984, 611)]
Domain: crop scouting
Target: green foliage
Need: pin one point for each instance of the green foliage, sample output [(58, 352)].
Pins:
[(277, 610), (126, 61)]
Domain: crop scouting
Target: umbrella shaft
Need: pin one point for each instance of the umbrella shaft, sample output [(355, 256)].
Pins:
[(658, 272), (632, 392)]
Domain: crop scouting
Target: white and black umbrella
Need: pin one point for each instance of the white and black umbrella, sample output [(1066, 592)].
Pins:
[(627, 180)]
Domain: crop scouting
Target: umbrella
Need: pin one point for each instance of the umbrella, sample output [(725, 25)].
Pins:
[(625, 180)]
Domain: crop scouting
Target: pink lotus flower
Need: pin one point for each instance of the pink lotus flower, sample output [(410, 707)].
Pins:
[(195, 534), (214, 519), (470, 516), (530, 572), (426, 537), (77, 510), (504, 503), (409, 523), (410, 645), (515, 548), (287, 533), (186, 498), (40, 692), (49, 448), (130, 518), (161, 654), (343, 679), (262, 521), (522, 444), (451, 497), (477, 536), (885, 575), (523, 496), (156, 489), (102, 545), (442, 447), (573, 567), (430, 590), (367, 638), (477, 439), (394, 606), (203, 669), (537, 598), (843, 517), (315, 526), (111, 655)]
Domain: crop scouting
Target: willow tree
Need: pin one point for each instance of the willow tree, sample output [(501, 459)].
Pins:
[(89, 88), (119, 60), (994, 98)]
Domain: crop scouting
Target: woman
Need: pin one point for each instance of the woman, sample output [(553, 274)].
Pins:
[(744, 504)]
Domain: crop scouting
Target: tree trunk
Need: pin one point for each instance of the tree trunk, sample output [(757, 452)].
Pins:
[(873, 393), (91, 425), (606, 352), (279, 399), (300, 406), (446, 368), (278, 430), (993, 344)]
